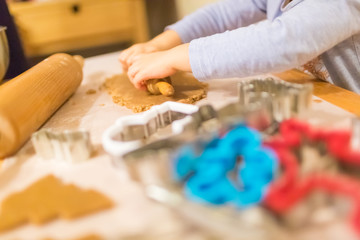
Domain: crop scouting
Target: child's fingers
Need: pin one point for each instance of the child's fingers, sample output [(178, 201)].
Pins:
[(123, 59), (138, 81), (128, 54), (134, 74), (132, 71), (133, 58), (124, 55), (142, 86), (133, 51), (124, 68), (139, 84)]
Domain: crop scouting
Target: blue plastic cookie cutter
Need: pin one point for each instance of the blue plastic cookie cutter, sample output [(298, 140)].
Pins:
[(234, 169)]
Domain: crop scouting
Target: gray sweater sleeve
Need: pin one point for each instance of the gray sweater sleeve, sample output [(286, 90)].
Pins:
[(298, 35), (219, 17)]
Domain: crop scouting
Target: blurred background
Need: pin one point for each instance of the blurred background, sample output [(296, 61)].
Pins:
[(91, 27)]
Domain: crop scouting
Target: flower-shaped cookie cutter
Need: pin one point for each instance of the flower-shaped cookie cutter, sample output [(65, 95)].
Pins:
[(287, 99), (67, 146), (233, 168)]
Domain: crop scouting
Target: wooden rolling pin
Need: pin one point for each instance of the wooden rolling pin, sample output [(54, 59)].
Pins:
[(28, 100), (160, 86)]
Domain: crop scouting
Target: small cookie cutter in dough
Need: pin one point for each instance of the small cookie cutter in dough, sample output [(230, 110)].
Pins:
[(67, 146), (288, 99), (131, 132)]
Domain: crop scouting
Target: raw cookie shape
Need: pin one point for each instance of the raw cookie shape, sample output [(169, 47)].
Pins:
[(47, 199), (187, 90)]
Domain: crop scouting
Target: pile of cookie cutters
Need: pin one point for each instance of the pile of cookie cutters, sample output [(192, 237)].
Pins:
[(134, 141), (147, 144)]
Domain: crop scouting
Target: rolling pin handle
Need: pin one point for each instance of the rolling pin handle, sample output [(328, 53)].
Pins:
[(165, 88), (160, 86)]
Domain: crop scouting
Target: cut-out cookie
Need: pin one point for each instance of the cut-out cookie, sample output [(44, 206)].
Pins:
[(47, 199)]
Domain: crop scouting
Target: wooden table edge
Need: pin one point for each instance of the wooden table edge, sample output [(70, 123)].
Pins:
[(338, 96)]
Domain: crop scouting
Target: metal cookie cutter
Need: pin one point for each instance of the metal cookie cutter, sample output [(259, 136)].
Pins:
[(68, 146), (287, 99), (188, 122), (132, 132)]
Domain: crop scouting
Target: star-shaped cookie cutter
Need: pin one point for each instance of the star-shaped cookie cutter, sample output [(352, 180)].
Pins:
[(291, 188)]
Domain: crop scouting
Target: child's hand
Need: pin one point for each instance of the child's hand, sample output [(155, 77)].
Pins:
[(127, 56), (150, 66), (158, 65), (163, 41)]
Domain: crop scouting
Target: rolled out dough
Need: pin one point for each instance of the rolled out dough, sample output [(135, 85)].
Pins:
[(187, 90)]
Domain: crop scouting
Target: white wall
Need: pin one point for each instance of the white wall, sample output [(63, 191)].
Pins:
[(184, 7)]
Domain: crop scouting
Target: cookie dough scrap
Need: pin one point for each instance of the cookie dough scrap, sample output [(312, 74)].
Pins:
[(187, 90), (48, 199)]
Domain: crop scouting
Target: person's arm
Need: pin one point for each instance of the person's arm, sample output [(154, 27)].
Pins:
[(219, 17), (300, 34), (214, 18)]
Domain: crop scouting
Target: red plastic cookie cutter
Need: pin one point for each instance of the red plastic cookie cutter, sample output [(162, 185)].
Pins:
[(290, 188), (344, 145)]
